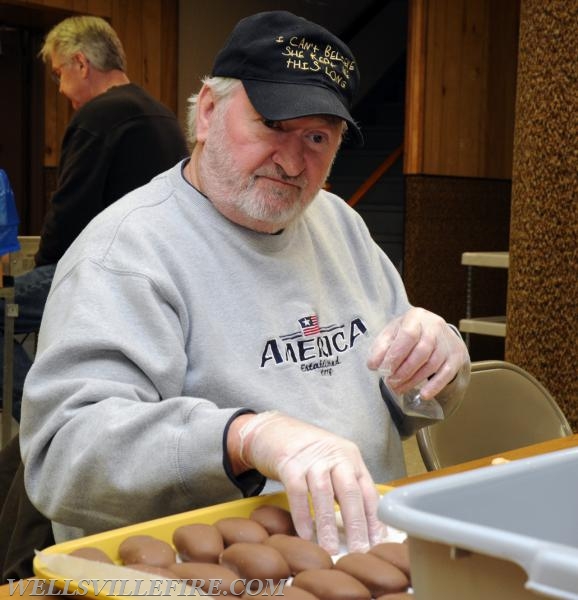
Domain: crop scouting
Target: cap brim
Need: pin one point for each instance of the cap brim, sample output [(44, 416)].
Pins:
[(283, 101)]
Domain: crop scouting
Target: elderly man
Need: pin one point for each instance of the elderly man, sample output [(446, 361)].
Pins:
[(227, 322)]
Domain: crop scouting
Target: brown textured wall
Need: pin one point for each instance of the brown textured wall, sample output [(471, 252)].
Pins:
[(542, 289), (446, 216)]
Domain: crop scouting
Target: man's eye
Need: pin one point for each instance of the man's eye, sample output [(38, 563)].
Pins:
[(317, 138), (272, 124)]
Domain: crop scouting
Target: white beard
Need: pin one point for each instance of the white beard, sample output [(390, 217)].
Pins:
[(253, 196)]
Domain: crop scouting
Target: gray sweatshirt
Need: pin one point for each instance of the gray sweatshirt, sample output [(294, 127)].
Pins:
[(165, 319)]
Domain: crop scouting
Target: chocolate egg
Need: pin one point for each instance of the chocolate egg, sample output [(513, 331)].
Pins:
[(394, 552), (241, 529), (91, 553), (274, 519), (398, 596), (198, 542), (331, 584), (300, 554), (211, 578), (146, 550), (255, 561), (377, 575)]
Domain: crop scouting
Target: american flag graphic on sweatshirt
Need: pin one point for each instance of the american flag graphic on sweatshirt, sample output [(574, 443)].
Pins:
[(309, 325)]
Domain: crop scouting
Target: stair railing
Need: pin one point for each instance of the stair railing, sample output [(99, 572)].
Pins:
[(375, 176)]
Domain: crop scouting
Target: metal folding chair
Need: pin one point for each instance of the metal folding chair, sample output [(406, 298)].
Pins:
[(504, 408)]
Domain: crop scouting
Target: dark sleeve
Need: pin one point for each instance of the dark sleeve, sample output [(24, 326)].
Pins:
[(79, 195), (115, 143), (251, 483)]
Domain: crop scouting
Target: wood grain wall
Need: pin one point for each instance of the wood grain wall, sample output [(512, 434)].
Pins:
[(148, 30), (461, 87)]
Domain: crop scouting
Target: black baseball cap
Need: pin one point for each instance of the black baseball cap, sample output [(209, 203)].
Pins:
[(291, 67)]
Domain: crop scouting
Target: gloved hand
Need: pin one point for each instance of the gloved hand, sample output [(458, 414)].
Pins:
[(307, 459), (416, 346)]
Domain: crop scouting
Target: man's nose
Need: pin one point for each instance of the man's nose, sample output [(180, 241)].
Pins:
[(290, 155)]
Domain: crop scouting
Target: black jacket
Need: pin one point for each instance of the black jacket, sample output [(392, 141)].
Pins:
[(115, 143)]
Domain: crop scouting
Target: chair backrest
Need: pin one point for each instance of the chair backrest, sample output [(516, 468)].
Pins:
[(22, 261), (504, 408)]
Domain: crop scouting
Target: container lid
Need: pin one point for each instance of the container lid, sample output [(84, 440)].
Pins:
[(523, 511)]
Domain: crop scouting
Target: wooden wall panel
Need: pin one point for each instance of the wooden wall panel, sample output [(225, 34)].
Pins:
[(461, 87), (151, 42), (415, 88), (126, 20), (101, 8), (170, 55)]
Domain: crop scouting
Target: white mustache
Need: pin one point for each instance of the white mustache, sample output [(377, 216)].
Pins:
[(277, 172)]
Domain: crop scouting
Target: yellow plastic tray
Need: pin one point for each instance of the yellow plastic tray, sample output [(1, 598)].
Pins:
[(162, 528)]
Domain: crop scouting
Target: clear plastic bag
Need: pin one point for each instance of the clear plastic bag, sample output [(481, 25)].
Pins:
[(410, 411), (413, 405)]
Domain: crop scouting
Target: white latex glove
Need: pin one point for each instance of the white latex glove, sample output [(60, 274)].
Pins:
[(415, 346), (310, 460)]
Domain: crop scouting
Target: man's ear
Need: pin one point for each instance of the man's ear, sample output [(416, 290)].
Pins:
[(83, 63), (205, 110)]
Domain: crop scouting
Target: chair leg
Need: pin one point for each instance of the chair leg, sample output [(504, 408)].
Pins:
[(10, 313)]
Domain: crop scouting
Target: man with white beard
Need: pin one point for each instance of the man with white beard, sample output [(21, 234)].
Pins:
[(227, 325)]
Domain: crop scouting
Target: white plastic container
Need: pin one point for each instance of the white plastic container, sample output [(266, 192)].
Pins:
[(508, 531)]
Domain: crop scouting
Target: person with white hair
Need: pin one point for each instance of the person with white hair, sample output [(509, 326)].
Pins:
[(227, 323)]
